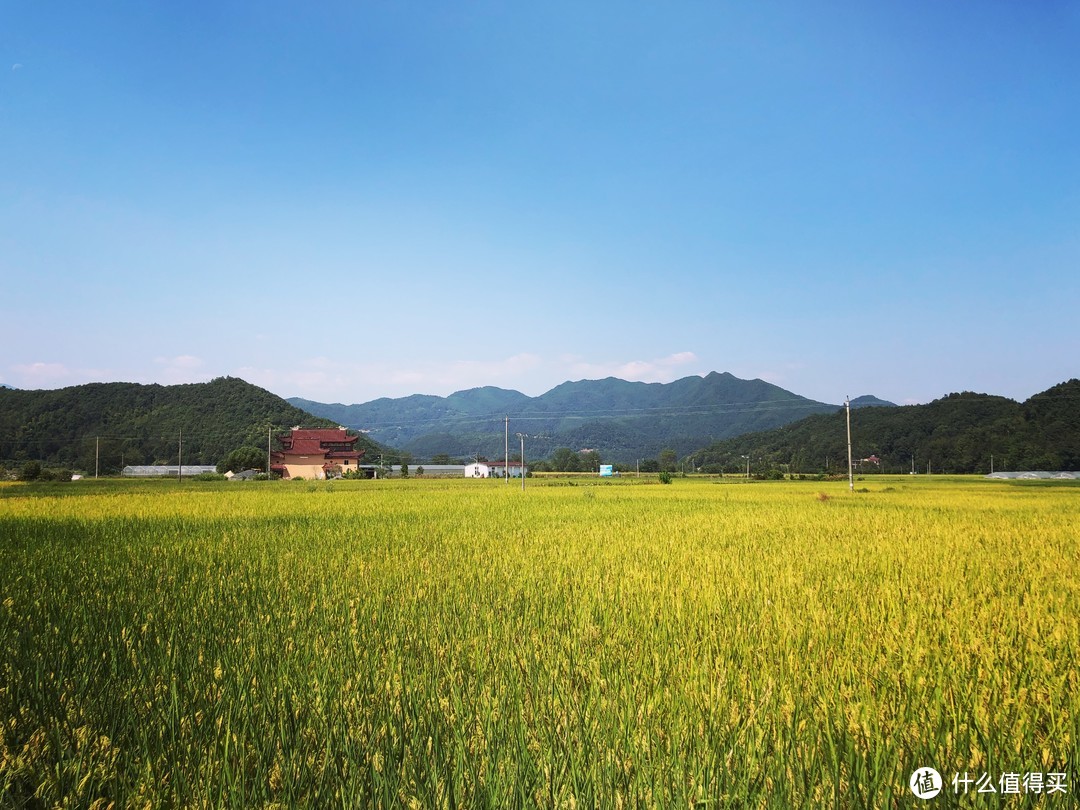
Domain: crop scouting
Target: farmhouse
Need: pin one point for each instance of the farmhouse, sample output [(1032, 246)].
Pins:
[(315, 453), (494, 469)]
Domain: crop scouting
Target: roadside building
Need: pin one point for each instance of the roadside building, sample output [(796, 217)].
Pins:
[(316, 453), (495, 469)]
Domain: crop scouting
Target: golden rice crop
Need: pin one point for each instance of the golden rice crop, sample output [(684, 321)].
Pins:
[(447, 643)]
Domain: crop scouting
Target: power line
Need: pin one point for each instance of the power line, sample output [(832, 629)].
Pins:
[(664, 410)]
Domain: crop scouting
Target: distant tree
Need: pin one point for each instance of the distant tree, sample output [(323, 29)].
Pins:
[(649, 465), (590, 460), (404, 468), (667, 459), (31, 471), (420, 472), (243, 458), (565, 460), (131, 452), (440, 458)]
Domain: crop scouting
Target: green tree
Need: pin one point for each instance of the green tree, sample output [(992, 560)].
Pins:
[(668, 458), (243, 458), (31, 471), (565, 460)]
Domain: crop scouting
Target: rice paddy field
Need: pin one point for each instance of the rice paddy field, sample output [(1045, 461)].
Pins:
[(579, 644)]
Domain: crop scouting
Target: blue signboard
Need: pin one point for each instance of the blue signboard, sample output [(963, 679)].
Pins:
[(605, 470)]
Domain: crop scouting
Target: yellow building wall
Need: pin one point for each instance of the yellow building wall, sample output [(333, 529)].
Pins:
[(310, 467), (304, 470)]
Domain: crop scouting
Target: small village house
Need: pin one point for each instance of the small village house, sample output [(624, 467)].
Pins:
[(495, 469)]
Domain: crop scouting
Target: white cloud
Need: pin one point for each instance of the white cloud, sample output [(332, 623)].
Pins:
[(184, 368), (473, 373), (32, 375), (181, 361), (663, 369), (59, 375), (327, 380)]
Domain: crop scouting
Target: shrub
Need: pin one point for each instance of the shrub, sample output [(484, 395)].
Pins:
[(243, 458), (54, 474), (31, 471), (665, 477)]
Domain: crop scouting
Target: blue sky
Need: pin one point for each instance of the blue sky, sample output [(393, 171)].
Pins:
[(349, 200)]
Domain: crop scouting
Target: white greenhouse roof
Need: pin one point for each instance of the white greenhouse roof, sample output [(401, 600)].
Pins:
[(1034, 474), (151, 470)]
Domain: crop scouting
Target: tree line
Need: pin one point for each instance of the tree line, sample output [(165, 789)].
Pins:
[(961, 433), (106, 426)]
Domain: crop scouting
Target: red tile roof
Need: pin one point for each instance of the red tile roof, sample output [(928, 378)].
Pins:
[(327, 442)]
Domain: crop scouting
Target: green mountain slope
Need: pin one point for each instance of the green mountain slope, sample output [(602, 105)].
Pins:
[(129, 423), (956, 434), (623, 420)]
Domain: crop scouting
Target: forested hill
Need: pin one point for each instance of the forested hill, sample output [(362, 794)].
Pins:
[(141, 424), (956, 434), (622, 420)]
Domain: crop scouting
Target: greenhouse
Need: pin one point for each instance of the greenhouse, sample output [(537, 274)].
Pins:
[(164, 470), (1035, 474)]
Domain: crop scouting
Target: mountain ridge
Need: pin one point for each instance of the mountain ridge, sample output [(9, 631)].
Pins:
[(624, 419), (960, 433), (108, 425)]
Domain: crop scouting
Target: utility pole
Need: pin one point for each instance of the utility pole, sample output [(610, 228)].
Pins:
[(268, 431), (97, 454), (522, 437), (180, 459), (506, 452), (850, 476)]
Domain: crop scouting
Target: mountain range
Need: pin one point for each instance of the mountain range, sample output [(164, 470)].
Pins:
[(959, 433), (620, 419), (108, 425), (716, 421)]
